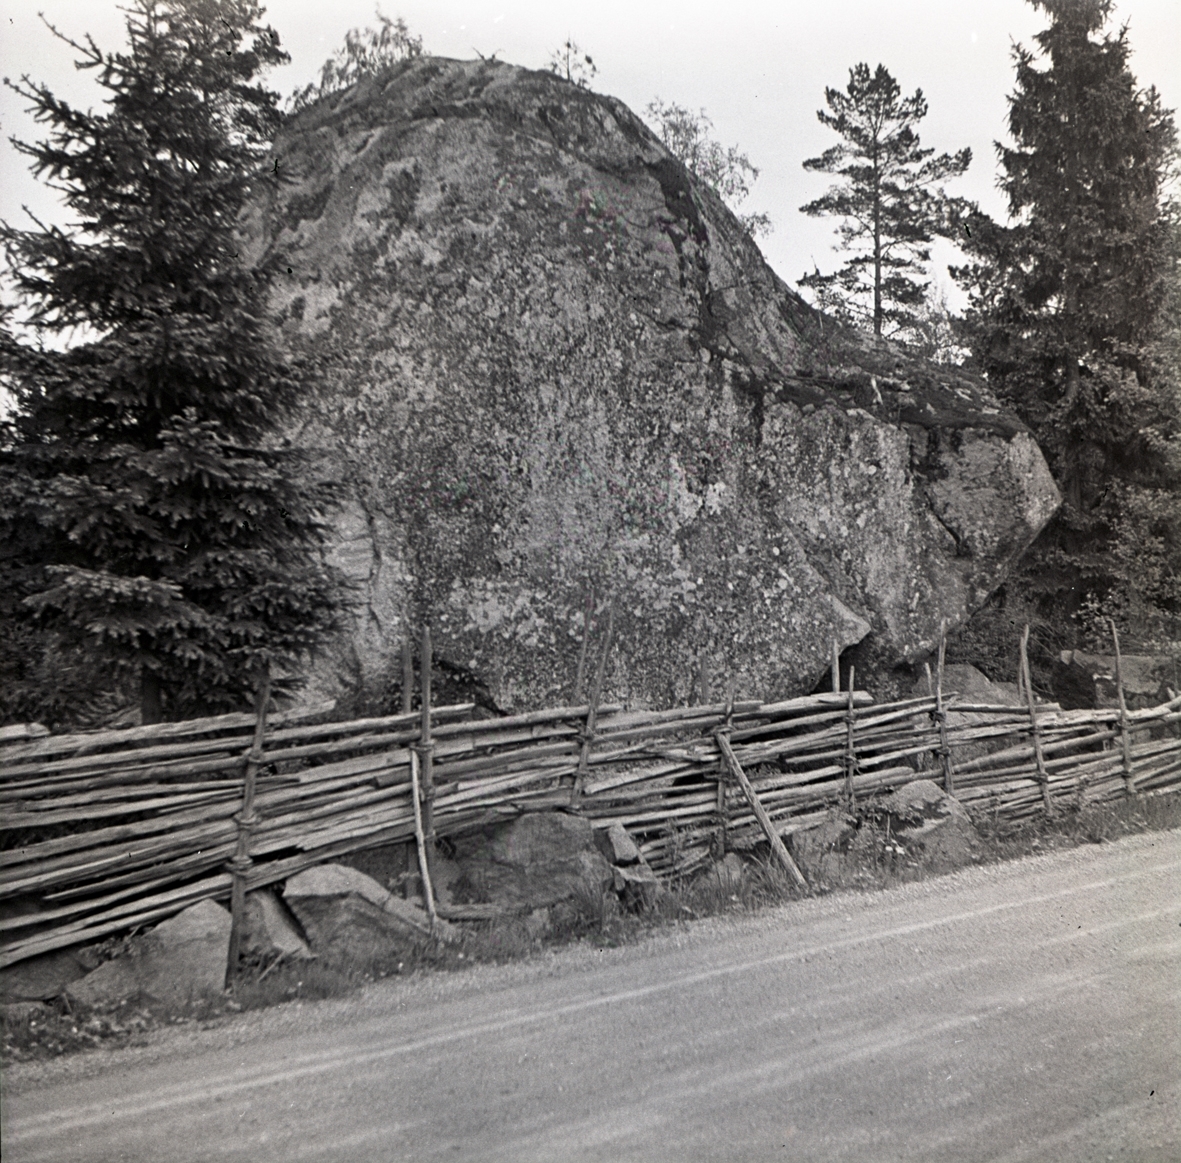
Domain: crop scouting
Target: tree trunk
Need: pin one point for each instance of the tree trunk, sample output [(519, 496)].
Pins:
[(877, 249), (151, 708)]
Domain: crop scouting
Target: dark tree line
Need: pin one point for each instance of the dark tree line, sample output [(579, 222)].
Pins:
[(1073, 302), (156, 532), (1074, 319)]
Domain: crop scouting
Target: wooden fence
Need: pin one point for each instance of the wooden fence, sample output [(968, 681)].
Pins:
[(103, 832)]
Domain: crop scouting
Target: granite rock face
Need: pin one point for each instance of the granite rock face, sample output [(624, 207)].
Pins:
[(555, 373)]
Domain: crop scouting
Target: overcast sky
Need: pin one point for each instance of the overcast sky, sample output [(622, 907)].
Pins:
[(759, 69)]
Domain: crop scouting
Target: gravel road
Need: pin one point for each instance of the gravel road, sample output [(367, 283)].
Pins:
[(1025, 1011)]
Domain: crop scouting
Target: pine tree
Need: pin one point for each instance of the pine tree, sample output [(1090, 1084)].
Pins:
[(572, 64), (891, 201), (1071, 306), (152, 522)]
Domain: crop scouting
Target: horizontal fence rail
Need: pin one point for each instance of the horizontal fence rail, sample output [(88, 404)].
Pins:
[(103, 832)]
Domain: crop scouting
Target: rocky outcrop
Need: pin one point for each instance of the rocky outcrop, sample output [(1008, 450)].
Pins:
[(552, 368)]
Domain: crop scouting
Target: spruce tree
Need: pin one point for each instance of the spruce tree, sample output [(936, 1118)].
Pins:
[(154, 527), (1072, 305), (891, 201)]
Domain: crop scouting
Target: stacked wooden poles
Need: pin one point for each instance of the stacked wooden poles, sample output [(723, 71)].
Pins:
[(246, 819), (1124, 735)]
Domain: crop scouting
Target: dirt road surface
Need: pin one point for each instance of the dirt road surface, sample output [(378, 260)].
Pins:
[(1027, 1011)]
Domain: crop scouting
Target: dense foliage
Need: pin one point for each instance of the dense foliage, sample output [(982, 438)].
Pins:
[(1074, 317), (154, 530), (890, 200), (727, 171)]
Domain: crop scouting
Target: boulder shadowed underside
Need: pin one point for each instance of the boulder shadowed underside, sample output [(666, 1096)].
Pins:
[(555, 373)]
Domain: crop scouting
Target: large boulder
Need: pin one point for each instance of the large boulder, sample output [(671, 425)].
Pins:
[(550, 366)]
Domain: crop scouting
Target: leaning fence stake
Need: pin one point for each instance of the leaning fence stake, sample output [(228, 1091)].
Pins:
[(246, 819), (1124, 735), (836, 668), (777, 845), (1039, 755)]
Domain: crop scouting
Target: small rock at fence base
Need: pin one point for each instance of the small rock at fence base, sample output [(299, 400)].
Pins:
[(42, 977), (351, 931), (268, 926), (934, 827), (637, 885), (350, 918), (538, 923), (180, 961), (820, 852), (616, 845), (729, 872), (335, 880), (19, 1011)]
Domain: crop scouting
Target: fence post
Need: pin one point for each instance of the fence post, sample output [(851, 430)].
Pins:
[(426, 747), (836, 668), (588, 610), (850, 745), (1124, 735), (407, 673), (428, 889), (588, 733), (722, 828), (941, 715), (246, 819), (1039, 755), (703, 683)]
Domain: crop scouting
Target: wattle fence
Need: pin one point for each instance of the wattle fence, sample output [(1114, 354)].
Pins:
[(104, 832)]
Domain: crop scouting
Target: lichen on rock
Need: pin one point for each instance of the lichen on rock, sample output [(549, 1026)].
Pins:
[(554, 368)]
